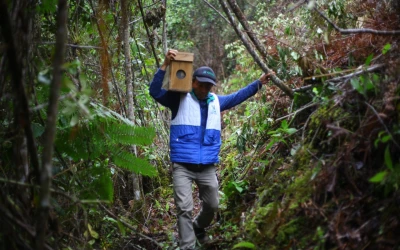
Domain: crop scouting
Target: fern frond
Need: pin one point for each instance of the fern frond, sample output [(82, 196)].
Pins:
[(129, 135), (128, 161), (77, 144)]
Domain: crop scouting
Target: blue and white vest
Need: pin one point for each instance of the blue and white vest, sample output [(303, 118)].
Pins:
[(186, 140)]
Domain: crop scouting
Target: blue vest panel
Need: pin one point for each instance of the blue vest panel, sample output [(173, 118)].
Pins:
[(190, 143)]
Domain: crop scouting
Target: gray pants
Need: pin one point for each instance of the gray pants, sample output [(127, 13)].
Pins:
[(207, 183)]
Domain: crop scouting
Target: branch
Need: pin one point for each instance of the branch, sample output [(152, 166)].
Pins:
[(50, 131), (148, 34), (357, 31), (340, 78), (219, 13), (74, 45), (362, 71), (297, 111), (279, 83), (242, 19)]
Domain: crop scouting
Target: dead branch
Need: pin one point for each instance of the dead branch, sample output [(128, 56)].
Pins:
[(362, 71), (278, 82), (357, 31), (340, 78)]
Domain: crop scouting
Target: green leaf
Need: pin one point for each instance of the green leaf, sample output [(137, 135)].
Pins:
[(378, 177), (291, 131), (388, 158), (355, 82), (386, 48), (100, 185), (369, 59), (37, 129), (244, 244), (93, 233), (121, 228)]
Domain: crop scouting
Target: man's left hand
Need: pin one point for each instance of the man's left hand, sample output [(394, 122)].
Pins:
[(264, 79)]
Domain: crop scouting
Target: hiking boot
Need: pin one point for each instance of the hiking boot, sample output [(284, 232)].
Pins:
[(201, 235)]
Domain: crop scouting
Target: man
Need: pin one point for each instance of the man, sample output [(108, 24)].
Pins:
[(195, 141)]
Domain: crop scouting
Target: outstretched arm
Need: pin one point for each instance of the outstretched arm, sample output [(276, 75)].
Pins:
[(229, 101)]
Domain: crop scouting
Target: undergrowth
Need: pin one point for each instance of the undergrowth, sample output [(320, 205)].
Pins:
[(334, 182)]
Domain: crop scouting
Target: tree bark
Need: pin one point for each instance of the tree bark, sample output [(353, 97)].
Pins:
[(17, 48), (242, 19), (278, 82), (51, 123), (129, 85)]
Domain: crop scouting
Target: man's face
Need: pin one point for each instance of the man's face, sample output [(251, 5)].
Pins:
[(201, 89)]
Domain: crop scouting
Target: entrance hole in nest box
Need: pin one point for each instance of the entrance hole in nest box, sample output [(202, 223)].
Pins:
[(180, 74)]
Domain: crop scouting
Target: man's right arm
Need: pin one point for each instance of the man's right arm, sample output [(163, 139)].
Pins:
[(166, 98)]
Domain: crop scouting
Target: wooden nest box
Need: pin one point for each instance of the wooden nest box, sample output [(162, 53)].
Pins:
[(181, 71)]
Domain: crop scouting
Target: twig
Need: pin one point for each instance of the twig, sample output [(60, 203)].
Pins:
[(305, 125), (357, 31), (383, 124), (129, 226), (294, 6), (303, 88), (297, 111), (330, 74), (219, 13), (74, 45), (370, 69)]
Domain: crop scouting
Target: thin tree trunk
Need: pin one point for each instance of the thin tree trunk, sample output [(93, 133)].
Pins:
[(164, 32), (51, 123), (151, 40), (278, 82), (129, 85), (242, 19), (21, 108)]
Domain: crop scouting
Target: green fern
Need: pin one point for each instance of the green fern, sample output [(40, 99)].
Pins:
[(128, 135), (106, 137), (128, 161)]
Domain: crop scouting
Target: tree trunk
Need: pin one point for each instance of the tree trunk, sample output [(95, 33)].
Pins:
[(129, 85), (16, 29), (278, 82), (51, 122)]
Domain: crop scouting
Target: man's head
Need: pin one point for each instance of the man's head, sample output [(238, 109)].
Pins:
[(203, 80)]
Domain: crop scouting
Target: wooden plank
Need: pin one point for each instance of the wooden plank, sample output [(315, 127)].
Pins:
[(184, 57)]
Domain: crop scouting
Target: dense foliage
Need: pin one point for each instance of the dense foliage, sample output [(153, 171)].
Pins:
[(320, 170)]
